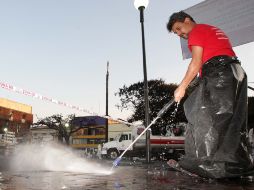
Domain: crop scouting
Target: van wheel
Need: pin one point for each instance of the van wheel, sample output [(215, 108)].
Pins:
[(113, 154)]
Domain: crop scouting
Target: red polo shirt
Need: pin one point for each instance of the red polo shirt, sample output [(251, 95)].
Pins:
[(212, 39)]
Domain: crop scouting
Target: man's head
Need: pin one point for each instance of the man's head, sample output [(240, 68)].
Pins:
[(181, 24)]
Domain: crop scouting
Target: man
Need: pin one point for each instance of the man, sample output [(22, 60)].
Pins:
[(216, 144)]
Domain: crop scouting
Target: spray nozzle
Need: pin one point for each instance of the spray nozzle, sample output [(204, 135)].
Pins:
[(116, 162)]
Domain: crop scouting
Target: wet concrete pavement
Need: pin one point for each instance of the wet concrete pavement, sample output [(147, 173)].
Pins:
[(129, 175)]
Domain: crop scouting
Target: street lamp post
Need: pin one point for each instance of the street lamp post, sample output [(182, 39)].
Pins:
[(5, 134), (67, 128), (141, 5)]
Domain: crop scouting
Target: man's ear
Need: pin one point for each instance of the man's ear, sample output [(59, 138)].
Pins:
[(187, 20)]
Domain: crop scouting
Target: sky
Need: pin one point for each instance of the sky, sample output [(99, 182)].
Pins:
[(60, 49)]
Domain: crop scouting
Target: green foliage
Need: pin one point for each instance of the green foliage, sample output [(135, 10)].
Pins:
[(159, 93)]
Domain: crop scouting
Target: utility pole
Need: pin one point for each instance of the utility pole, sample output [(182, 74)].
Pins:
[(106, 130)]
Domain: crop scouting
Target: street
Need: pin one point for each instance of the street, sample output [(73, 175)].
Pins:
[(129, 175)]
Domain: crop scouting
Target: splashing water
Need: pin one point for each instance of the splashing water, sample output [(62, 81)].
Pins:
[(173, 114), (173, 117), (52, 157)]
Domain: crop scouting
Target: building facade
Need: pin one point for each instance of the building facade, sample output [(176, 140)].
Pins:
[(93, 132), (15, 117), (43, 135)]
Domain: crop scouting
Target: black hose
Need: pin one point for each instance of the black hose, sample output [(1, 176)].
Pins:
[(251, 88)]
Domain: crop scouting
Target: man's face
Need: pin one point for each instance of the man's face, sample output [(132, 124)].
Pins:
[(182, 29)]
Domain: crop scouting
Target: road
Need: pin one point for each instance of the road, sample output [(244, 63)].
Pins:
[(129, 175)]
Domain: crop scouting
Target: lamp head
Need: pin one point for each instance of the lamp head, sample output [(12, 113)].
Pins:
[(140, 3)]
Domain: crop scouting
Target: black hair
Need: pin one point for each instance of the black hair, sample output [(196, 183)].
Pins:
[(177, 17)]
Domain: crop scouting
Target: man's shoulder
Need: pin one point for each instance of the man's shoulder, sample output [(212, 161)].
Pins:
[(200, 29), (205, 26)]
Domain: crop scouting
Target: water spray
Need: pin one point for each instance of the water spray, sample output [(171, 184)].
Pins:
[(161, 112)]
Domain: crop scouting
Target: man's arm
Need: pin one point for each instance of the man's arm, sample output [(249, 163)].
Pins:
[(193, 69)]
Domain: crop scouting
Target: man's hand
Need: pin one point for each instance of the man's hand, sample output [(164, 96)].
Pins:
[(179, 94), (194, 67)]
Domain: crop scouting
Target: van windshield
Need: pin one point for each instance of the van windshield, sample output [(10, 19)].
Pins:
[(123, 137)]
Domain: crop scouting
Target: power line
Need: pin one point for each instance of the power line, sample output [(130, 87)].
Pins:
[(18, 90)]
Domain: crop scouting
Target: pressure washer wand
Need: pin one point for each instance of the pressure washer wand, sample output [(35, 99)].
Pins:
[(161, 112)]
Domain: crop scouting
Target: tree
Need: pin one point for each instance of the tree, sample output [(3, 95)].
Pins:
[(64, 126), (160, 93)]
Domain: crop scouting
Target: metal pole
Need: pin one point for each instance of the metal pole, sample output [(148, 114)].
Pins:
[(106, 130), (147, 120)]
